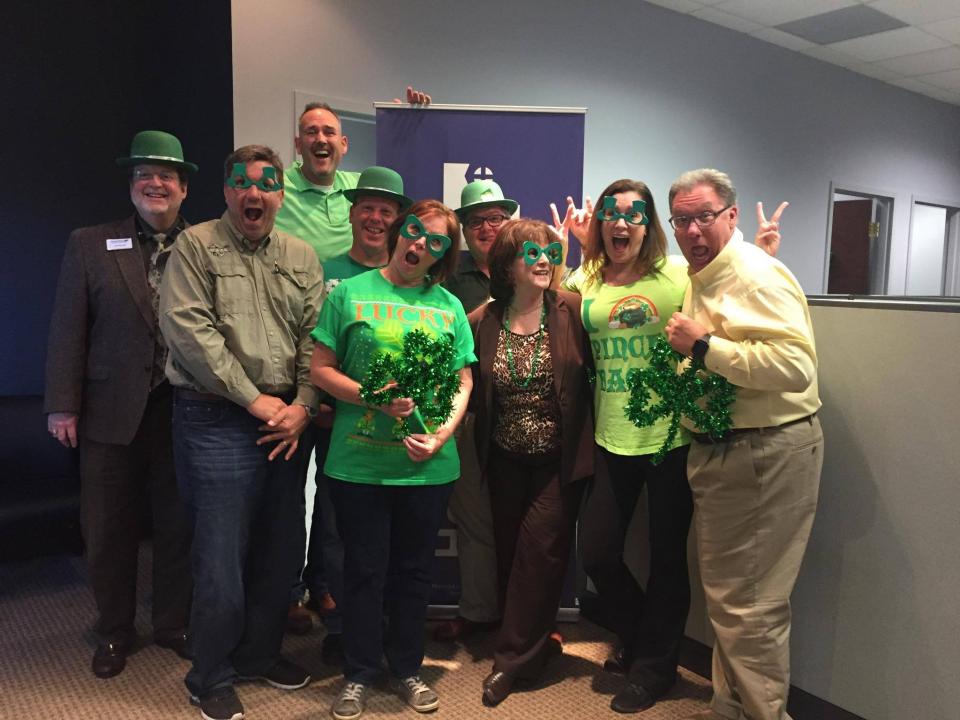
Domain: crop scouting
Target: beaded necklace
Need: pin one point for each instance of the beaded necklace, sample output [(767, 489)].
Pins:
[(536, 349)]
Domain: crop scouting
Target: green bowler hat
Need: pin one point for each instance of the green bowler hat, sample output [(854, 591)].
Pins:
[(380, 182), (156, 147), (481, 194)]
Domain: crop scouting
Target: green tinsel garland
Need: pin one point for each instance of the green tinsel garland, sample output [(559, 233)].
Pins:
[(422, 370), (678, 394)]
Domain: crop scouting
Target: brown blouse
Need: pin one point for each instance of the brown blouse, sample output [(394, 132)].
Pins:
[(527, 418)]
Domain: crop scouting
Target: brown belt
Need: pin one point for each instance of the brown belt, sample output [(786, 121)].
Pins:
[(730, 434)]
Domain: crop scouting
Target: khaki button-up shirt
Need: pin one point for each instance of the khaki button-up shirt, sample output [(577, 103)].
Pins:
[(237, 318)]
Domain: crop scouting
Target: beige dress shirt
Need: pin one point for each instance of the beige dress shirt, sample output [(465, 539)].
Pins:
[(762, 340)]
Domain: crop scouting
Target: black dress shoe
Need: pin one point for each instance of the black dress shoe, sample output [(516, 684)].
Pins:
[(619, 662), (110, 659), (176, 642), (632, 699), (496, 686)]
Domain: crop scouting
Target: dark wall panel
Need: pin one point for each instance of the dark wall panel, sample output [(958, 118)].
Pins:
[(79, 80)]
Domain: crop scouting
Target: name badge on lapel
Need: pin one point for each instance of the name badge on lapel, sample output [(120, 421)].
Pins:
[(119, 244)]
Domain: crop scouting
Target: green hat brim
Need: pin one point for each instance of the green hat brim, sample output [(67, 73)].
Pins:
[(156, 160), (510, 206), (353, 193)]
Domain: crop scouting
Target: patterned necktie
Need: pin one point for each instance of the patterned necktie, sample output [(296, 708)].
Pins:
[(158, 259)]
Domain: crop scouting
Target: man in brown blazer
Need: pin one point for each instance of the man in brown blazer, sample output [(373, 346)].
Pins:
[(106, 391)]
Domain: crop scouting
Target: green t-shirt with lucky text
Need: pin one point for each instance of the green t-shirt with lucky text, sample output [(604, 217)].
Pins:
[(623, 322), (364, 315)]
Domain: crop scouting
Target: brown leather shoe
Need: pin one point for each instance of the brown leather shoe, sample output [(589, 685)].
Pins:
[(299, 619), (110, 659), (460, 628), (496, 686), (176, 641), (323, 604)]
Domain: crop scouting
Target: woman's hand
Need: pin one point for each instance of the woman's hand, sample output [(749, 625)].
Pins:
[(422, 447), (399, 407), (575, 221)]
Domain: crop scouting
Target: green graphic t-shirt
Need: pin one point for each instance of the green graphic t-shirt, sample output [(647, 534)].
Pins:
[(364, 315), (623, 322)]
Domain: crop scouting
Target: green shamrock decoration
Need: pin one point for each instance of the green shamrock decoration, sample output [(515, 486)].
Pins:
[(677, 395), (422, 370)]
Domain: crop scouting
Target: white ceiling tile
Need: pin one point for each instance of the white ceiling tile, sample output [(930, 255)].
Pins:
[(682, 6), (875, 71), (946, 29), (924, 63), (828, 54), (918, 12), (718, 17), (775, 12), (778, 37), (892, 43), (949, 80)]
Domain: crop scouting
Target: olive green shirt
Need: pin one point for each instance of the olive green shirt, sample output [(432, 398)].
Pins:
[(237, 318)]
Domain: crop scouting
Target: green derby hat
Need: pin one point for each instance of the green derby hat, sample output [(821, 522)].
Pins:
[(380, 182), (156, 147), (481, 194)]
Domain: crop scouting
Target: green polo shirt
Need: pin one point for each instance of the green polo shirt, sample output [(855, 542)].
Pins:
[(321, 219)]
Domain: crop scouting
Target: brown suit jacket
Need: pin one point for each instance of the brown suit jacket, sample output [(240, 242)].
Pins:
[(102, 334), (571, 356)]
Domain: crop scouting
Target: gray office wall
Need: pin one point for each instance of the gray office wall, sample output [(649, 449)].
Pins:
[(665, 93), (875, 608)]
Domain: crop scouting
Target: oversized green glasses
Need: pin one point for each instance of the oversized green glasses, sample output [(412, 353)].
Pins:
[(239, 180), (413, 229), (636, 215), (531, 252)]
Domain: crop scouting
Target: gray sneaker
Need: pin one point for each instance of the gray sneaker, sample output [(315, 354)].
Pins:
[(349, 706), (417, 693)]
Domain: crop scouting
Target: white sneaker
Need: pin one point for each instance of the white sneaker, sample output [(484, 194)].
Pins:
[(417, 693), (350, 704)]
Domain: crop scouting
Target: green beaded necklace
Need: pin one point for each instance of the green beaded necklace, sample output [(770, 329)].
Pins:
[(536, 350)]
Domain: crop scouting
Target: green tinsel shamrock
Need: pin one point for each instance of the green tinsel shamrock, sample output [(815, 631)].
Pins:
[(422, 370), (678, 395)]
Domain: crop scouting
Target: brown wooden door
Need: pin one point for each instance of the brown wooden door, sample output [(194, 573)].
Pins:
[(850, 248)]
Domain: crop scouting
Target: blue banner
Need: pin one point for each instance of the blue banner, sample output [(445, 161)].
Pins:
[(535, 156)]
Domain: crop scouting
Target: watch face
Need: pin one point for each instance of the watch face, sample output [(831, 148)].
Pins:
[(700, 347)]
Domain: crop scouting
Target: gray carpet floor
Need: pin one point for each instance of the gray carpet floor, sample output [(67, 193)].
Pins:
[(46, 645)]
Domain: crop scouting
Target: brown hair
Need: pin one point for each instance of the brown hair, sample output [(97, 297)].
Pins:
[(253, 153), (508, 244), (443, 268), (654, 247)]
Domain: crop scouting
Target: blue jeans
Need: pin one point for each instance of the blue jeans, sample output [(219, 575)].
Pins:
[(389, 536), (324, 569), (247, 543)]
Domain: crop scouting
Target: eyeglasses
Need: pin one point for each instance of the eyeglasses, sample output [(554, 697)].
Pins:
[(164, 176), (703, 220), (531, 252), (494, 221), (413, 229), (636, 215), (268, 182)]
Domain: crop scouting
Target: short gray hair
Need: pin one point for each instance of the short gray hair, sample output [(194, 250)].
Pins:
[(716, 179)]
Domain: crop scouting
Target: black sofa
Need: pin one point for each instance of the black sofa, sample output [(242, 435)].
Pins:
[(39, 484)]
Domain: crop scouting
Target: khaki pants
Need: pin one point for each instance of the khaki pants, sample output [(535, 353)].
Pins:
[(470, 510), (755, 498)]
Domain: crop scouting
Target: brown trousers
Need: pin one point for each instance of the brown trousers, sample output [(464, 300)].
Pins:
[(534, 518)]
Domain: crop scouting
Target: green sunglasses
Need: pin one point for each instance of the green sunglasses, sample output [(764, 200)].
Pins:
[(239, 180), (531, 252), (413, 229), (637, 215)]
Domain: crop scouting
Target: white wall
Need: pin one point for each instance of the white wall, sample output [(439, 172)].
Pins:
[(928, 234), (665, 93)]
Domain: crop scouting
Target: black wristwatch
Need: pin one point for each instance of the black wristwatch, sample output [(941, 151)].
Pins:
[(700, 347)]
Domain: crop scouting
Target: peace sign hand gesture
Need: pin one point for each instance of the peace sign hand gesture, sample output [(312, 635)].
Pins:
[(768, 231), (575, 221)]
